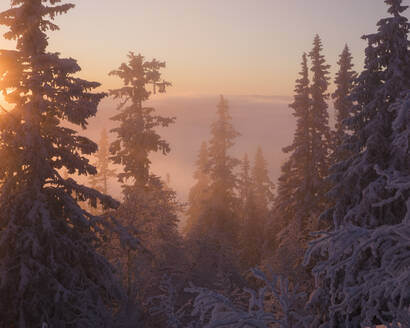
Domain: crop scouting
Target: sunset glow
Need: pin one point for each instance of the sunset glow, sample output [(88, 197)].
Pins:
[(204, 163), (233, 47)]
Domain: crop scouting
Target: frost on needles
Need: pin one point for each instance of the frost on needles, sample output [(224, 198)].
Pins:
[(50, 269)]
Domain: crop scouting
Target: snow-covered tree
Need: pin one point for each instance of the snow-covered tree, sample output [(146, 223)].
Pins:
[(319, 127), (212, 241), (199, 193), (50, 271), (363, 279), (256, 196), (245, 184), (342, 102), (100, 180), (137, 137), (263, 186), (294, 195), (302, 187), (247, 215), (220, 215), (149, 207), (294, 182)]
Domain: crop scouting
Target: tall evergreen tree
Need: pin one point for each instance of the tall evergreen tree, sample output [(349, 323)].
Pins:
[(149, 207), (219, 216), (364, 279), (99, 181), (294, 183), (213, 239), (245, 183), (199, 193), (137, 137), (50, 271), (342, 102), (319, 126), (302, 184), (246, 214), (263, 186), (295, 196), (256, 198)]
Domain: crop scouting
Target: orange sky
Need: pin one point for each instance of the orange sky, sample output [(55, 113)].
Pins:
[(215, 46)]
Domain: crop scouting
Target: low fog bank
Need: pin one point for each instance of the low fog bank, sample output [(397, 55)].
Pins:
[(261, 120)]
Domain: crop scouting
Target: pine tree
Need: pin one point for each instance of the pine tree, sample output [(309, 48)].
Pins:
[(256, 196), (50, 270), (213, 239), (247, 213), (104, 173), (302, 184), (137, 137), (199, 193), (365, 277), (295, 197), (149, 207), (294, 182), (245, 186), (219, 216), (319, 125), (263, 186), (342, 102)]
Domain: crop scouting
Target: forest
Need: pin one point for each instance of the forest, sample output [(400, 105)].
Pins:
[(327, 245)]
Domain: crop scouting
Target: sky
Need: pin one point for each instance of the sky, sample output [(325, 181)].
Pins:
[(215, 46), (248, 50)]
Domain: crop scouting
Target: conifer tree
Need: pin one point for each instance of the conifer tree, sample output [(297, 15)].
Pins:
[(104, 173), (219, 216), (247, 215), (245, 184), (294, 196), (199, 193), (302, 185), (342, 102), (295, 180), (148, 207), (137, 137), (319, 125), (263, 186), (213, 239), (364, 279), (50, 271), (256, 196)]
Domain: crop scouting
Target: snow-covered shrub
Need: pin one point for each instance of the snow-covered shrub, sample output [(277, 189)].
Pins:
[(276, 304)]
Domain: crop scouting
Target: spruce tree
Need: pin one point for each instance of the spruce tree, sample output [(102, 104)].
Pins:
[(149, 207), (244, 183), (263, 186), (247, 215), (294, 198), (343, 103), (302, 185), (256, 197), (364, 278), (294, 183), (319, 126), (219, 216), (99, 181), (199, 193), (213, 240), (137, 137), (50, 271)]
